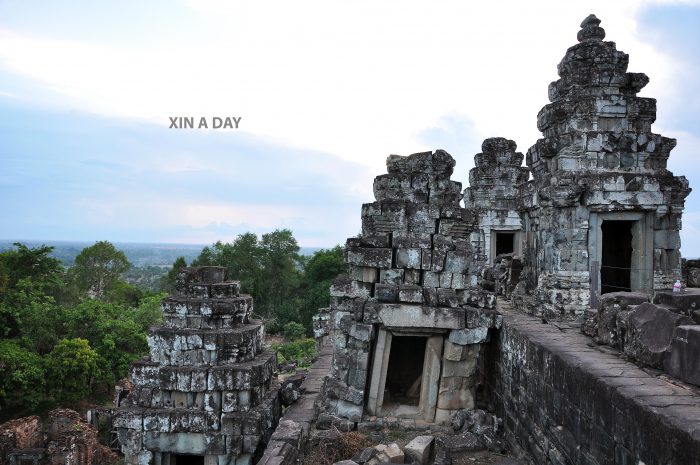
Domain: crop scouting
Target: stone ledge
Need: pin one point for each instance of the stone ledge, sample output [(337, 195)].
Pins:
[(585, 405)]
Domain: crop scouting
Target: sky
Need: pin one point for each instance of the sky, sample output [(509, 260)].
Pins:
[(325, 91)]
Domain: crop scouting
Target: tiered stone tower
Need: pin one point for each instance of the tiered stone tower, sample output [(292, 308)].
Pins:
[(205, 394), (599, 172), (408, 320), (493, 195)]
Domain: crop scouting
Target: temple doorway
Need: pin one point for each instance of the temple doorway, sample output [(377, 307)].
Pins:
[(616, 263), (403, 378), (185, 459)]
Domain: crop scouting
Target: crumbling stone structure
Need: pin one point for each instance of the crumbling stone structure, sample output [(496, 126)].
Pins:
[(602, 213), (205, 395), (408, 321), (493, 196), (65, 438)]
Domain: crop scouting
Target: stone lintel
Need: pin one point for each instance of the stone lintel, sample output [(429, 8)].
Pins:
[(419, 316)]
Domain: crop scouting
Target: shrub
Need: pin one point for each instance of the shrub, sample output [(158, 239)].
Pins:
[(301, 351), (293, 331)]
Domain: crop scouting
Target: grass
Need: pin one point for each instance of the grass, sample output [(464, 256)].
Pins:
[(345, 447)]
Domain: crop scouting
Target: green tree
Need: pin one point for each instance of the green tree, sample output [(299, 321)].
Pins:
[(319, 272), (98, 267), (280, 274), (27, 276), (22, 377), (293, 331), (167, 283), (73, 367)]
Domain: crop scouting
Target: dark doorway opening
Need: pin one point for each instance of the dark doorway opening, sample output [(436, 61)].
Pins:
[(405, 369), (504, 242), (184, 459), (615, 269)]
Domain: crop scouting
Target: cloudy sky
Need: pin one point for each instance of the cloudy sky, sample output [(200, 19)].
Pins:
[(325, 91)]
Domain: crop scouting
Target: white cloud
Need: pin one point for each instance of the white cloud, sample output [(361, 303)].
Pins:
[(358, 79)]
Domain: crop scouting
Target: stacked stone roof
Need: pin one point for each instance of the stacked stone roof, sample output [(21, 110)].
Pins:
[(497, 176), (596, 121), (206, 388)]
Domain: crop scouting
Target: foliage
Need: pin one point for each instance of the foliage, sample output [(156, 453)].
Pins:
[(286, 286), (22, 377), (301, 351), (60, 344), (70, 334), (98, 267), (167, 282), (72, 367), (293, 331)]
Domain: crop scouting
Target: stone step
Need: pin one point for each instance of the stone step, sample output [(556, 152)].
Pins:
[(208, 306), (229, 377), (181, 347)]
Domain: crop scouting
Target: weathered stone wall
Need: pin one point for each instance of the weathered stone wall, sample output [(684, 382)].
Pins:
[(493, 195), (598, 161), (411, 271), (206, 388), (567, 403), (64, 438)]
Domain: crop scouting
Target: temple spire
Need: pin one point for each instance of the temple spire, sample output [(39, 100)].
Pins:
[(590, 29)]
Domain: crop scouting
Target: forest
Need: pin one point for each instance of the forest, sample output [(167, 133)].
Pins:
[(68, 334)]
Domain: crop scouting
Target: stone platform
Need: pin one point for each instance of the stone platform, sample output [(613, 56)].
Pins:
[(565, 400)]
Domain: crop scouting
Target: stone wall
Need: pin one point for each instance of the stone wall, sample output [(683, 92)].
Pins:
[(412, 271), (564, 402)]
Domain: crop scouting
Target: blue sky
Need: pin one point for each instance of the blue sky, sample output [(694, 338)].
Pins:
[(326, 90)]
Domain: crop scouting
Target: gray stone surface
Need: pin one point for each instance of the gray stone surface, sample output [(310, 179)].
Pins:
[(563, 400), (650, 331), (683, 359), (419, 449), (207, 386), (413, 270)]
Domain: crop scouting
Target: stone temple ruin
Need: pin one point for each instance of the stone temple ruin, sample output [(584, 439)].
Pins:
[(602, 212), (408, 320), (586, 235), (205, 396)]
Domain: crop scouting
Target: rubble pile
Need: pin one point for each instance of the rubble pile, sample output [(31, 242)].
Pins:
[(66, 439)]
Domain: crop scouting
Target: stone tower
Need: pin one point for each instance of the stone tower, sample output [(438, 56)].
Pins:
[(408, 321), (205, 394), (603, 212), (493, 196)]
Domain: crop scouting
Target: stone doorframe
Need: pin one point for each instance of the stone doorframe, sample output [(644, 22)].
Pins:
[(430, 379), (642, 273)]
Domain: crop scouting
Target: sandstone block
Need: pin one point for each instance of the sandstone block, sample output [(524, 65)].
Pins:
[(364, 256), (650, 332), (469, 336), (419, 449), (683, 360)]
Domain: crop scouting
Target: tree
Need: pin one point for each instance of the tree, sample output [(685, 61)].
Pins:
[(319, 272), (97, 268), (73, 366), (280, 273), (22, 377), (167, 283)]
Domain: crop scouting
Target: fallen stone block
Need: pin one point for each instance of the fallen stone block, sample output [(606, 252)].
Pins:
[(650, 332), (611, 304), (394, 453), (419, 449), (683, 360)]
